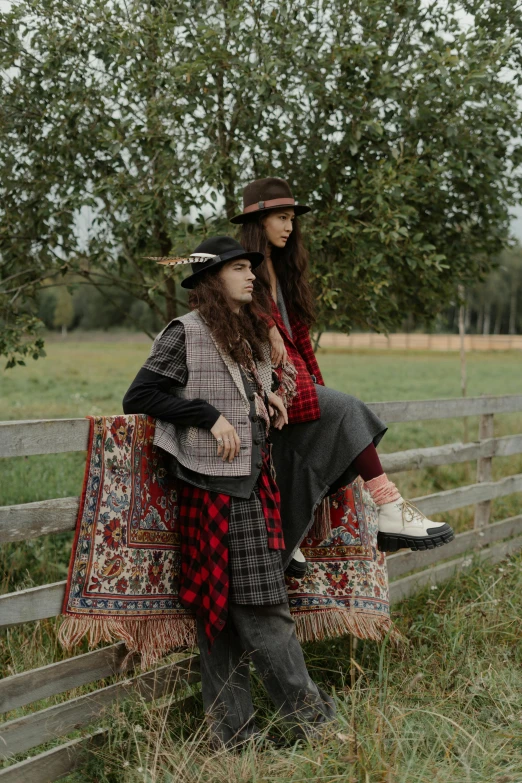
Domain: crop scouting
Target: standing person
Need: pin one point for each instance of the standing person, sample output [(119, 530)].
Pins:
[(332, 437), (207, 382)]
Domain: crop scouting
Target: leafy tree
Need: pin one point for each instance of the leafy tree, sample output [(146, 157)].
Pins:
[(143, 120)]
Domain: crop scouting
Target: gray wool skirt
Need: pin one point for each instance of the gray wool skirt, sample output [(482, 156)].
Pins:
[(315, 458)]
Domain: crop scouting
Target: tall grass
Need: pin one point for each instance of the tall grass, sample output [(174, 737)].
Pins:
[(445, 707)]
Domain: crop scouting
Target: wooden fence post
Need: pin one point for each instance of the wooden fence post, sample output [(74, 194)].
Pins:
[(483, 509)]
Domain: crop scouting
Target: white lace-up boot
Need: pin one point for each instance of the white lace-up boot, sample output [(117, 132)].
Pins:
[(403, 526)]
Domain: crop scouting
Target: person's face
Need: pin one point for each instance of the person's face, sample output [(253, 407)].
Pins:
[(278, 226), (238, 281)]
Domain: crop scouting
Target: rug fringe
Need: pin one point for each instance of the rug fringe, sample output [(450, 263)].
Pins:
[(321, 526), (332, 623), (151, 638)]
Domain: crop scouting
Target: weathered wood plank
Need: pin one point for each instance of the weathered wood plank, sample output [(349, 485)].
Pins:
[(46, 436), (52, 436), (484, 466), (415, 459), (465, 496), (405, 561), (405, 587), (36, 603), (53, 764), (26, 687), (30, 520), (22, 734), (420, 410)]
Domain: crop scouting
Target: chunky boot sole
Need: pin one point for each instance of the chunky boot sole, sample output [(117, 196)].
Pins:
[(392, 542), (296, 569)]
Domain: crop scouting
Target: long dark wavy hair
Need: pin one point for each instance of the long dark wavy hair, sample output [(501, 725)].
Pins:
[(229, 329), (290, 265)]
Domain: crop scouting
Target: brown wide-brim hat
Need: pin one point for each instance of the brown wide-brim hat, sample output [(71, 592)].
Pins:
[(265, 195)]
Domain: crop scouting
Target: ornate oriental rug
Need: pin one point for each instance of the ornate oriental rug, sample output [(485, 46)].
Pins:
[(124, 568)]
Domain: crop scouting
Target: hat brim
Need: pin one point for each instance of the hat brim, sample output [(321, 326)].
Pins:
[(193, 279), (299, 209)]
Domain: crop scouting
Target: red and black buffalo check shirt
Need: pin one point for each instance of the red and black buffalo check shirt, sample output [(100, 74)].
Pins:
[(305, 406), (204, 521)]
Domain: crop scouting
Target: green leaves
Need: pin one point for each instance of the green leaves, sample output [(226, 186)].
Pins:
[(127, 132)]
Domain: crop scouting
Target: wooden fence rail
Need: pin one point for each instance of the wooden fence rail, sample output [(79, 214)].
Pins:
[(408, 571)]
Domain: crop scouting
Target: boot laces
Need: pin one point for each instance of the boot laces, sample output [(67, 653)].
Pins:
[(411, 515)]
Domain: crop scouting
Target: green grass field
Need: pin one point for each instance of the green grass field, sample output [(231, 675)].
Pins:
[(446, 707), (81, 378)]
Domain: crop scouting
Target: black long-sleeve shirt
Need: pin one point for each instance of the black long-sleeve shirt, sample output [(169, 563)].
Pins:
[(166, 369), (151, 393)]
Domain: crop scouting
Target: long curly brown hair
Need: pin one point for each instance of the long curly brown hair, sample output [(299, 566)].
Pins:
[(290, 265), (229, 329)]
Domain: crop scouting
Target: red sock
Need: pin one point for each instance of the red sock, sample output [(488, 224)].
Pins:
[(368, 464), (376, 481)]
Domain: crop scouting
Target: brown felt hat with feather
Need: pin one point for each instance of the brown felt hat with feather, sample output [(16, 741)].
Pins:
[(264, 195)]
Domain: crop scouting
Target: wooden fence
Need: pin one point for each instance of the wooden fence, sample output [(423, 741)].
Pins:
[(407, 571), (414, 341)]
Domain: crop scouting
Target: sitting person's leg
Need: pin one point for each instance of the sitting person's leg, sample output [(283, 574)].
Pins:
[(401, 525)]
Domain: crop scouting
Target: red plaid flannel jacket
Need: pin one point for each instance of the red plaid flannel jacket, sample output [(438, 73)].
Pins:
[(305, 406)]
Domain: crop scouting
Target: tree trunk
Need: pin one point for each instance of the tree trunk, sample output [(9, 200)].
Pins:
[(480, 319), (315, 340), (224, 134), (455, 319), (487, 318), (498, 320), (463, 368), (513, 311), (162, 238), (170, 298)]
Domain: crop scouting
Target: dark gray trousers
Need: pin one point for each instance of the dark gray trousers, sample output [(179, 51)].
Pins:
[(266, 636)]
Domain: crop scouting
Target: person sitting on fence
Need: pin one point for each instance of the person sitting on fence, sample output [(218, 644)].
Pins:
[(332, 437), (208, 383)]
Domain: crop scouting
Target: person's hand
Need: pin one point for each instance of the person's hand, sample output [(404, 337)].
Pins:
[(227, 439), (278, 352), (277, 409)]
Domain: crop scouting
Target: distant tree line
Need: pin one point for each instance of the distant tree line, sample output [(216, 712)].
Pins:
[(79, 305), (493, 306)]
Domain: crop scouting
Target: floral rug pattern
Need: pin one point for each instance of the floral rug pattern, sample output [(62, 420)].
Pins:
[(124, 568)]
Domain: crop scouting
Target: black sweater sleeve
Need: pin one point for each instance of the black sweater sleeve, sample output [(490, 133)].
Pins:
[(150, 393)]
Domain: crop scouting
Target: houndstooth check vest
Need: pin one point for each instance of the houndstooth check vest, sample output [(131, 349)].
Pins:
[(215, 377)]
